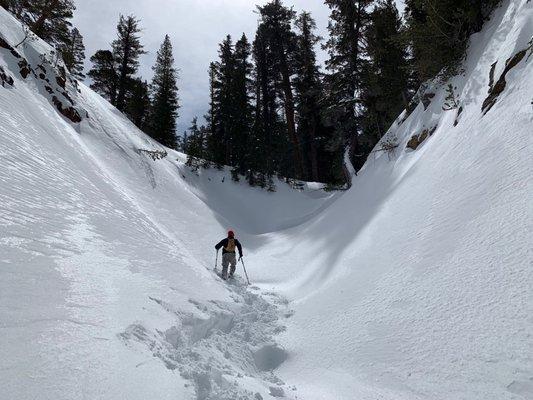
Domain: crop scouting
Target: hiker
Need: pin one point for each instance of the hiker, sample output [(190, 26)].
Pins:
[(228, 254)]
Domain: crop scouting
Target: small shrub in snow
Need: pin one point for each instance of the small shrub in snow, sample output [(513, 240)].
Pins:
[(271, 186), (194, 163), (235, 175), (154, 154), (389, 146), (294, 184), (450, 102)]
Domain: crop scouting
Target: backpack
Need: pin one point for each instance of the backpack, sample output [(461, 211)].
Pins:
[(230, 247)]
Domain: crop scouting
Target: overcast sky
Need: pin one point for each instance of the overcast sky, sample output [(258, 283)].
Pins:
[(195, 27)]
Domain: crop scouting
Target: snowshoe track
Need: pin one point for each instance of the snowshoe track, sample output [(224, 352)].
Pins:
[(225, 344)]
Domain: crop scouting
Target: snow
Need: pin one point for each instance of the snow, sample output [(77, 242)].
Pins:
[(414, 284)]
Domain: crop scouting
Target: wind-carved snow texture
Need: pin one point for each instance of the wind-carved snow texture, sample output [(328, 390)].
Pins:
[(225, 345)]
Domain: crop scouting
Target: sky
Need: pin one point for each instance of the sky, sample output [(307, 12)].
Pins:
[(196, 27)]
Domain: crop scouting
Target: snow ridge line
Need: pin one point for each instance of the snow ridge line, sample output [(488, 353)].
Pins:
[(223, 347)]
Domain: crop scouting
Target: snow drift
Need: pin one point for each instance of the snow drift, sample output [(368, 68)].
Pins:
[(414, 284)]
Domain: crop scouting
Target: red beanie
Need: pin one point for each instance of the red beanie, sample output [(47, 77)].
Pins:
[(231, 234)]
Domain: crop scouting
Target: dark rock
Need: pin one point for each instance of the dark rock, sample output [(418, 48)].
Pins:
[(68, 112), (65, 94), (424, 135), (25, 68), (500, 85), (5, 44), (413, 143), (459, 112), (62, 72), (491, 75), (426, 99), (61, 81), (417, 140), (49, 89), (5, 79), (42, 76)]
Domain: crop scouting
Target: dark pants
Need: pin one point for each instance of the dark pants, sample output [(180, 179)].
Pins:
[(227, 260)]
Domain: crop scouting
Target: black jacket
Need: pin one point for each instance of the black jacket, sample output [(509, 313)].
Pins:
[(224, 242)]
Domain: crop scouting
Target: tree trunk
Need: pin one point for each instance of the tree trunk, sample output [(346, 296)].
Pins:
[(265, 107), (38, 25), (289, 115), (313, 152), (354, 27), (348, 169), (121, 98)]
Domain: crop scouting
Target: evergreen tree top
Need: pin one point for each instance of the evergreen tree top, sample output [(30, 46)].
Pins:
[(164, 70), (127, 46)]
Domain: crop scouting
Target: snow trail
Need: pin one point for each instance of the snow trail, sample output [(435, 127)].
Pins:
[(224, 346)]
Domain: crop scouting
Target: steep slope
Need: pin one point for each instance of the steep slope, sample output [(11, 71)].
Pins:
[(417, 283), (105, 288), (414, 284)]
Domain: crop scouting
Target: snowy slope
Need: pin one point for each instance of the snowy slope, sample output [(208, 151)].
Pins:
[(417, 284), (414, 284), (105, 252)]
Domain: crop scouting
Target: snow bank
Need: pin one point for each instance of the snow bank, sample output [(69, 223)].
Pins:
[(417, 283), (105, 254)]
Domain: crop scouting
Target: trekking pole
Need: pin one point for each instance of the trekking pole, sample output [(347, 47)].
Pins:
[(245, 273), (216, 260)]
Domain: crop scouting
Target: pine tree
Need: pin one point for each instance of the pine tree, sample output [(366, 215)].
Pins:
[(195, 144), (222, 107), (242, 109), (104, 75), (209, 117), (308, 92), (48, 19), (138, 104), (438, 32), (73, 53), (280, 40), (183, 143), (386, 77), (267, 128), (9, 5), (127, 49), (348, 21), (164, 96)]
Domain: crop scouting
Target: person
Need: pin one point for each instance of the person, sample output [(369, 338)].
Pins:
[(229, 258)]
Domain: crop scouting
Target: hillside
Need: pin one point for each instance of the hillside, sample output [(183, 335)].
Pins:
[(414, 284)]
